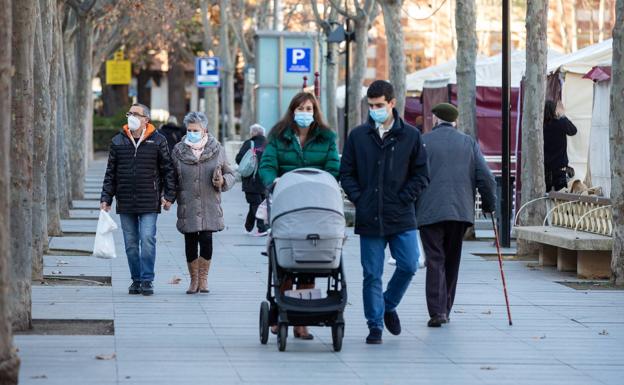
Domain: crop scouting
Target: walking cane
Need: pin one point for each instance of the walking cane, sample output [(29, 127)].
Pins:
[(500, 265)]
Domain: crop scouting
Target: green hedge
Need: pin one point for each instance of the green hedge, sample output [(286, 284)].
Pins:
[(102, 137)]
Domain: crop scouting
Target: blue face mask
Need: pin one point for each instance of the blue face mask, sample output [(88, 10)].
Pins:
[(193, 137), (304, 119), (379, 115)]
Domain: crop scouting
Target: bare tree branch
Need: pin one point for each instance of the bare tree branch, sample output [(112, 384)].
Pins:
[(82, 8), (344, 12)]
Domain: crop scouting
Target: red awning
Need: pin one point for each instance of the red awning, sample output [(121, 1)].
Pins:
[(599, 73)]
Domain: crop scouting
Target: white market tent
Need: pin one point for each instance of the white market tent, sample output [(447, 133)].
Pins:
[(599, 161), (340, 95), (489, 72), (577, 95)]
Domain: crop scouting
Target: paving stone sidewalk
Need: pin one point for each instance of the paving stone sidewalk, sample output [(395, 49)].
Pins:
[(560, 335)]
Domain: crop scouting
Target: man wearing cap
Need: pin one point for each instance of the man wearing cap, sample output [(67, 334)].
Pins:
[(445, 209), (383, 171)]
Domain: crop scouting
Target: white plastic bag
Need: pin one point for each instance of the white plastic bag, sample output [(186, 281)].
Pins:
[(104, 245), (262, 212)]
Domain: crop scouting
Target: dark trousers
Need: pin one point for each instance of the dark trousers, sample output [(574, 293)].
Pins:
[(203, 239), (254, 201), (443, 245), (555, 179)]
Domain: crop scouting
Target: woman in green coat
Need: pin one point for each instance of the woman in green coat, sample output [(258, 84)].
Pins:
[(301, 139)]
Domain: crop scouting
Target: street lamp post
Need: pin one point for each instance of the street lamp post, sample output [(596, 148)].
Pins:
[(505, 207), (339, 35)]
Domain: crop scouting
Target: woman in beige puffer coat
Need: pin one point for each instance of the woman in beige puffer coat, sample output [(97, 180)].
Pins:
[(203, 173)]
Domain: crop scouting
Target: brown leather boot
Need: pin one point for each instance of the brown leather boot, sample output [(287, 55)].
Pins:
[(204, 268), (193, 268)]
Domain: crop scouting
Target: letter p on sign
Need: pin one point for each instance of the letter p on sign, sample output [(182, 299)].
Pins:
[(298, 54)]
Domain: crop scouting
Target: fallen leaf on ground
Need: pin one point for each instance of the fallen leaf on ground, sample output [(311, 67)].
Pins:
[(175, 280), (604, 332), (106, 356)]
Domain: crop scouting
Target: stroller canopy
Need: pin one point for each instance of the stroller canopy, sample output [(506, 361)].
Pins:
[(306, 188), (307, 201)]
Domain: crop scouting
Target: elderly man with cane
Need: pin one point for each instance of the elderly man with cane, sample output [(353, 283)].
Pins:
[(446, 207)]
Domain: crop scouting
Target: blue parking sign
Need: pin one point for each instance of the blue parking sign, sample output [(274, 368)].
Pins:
[(207, 72), (298, 59)]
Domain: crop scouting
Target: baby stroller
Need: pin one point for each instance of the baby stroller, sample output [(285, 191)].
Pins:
[(306, 239)]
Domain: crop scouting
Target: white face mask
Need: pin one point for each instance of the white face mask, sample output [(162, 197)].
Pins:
[(133, 123)]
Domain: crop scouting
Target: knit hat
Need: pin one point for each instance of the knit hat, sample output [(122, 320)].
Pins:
[(445, 111)]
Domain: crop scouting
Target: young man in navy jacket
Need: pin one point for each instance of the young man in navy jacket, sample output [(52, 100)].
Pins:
[(383, 172)]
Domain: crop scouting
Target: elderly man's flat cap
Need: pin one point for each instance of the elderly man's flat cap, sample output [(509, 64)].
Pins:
[(445, 111)]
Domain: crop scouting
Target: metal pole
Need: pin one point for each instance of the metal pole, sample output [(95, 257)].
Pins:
[(347, 65), (505, 214)]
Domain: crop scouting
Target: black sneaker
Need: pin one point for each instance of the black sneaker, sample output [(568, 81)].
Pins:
[(393, 324), (437, 320), (135, 288), (374, 337), (147, 288)]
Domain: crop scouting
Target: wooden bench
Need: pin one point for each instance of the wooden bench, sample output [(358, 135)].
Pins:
[(577, 235)]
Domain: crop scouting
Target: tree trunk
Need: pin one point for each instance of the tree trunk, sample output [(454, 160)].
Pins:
[(331, 84), (358, 71), (114, 97), (69, 89), (64, 120), (9, 362), (144, 94), (533, 185), (80, 134), (43, 112), (176, 82), (227, 88), (392, 12), (466, 24), (248, 108), (616, 143), (24, 16), (53, 193), (211, 95)]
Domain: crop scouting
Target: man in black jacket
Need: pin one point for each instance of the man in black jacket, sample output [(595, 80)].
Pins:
[(383, 172), (446, 207), (140, 175), (252, 185)]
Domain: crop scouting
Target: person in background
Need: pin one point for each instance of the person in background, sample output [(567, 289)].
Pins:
[(446, 207), (172, 131), (141, 177), (557, 128), (203, 173), (254, 189)]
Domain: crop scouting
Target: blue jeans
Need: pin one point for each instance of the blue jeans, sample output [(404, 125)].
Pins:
[(139, 231), (404, 248)]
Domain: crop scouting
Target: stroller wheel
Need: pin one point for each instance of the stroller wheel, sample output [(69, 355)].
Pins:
[(264, 322), (337, 335), (282, 334)]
